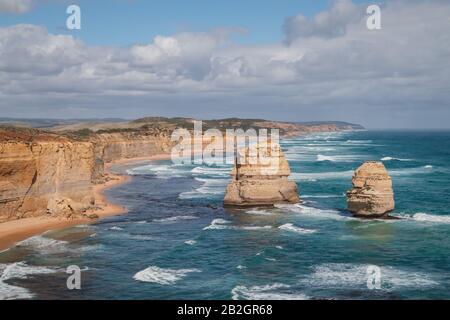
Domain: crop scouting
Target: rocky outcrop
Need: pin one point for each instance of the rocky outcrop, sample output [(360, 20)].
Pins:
[(372, 195), (45, 175), (260, 177)]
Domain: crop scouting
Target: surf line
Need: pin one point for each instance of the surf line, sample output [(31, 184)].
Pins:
[(194, 311)]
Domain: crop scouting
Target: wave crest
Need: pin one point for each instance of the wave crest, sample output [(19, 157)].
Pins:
[(162, 276)]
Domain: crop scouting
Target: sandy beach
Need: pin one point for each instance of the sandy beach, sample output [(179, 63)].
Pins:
[(15, 231)]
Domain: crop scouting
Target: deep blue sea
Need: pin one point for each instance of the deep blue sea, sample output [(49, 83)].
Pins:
[(178, 242)]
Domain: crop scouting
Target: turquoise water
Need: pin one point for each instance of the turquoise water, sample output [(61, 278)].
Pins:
[(178, 242)]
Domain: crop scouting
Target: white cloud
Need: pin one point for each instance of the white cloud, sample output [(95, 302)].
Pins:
[(355, 74), (327, 24), (16, 6)]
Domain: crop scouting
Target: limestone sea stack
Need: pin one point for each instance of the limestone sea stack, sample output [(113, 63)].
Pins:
[(372, 195), (260, 178)]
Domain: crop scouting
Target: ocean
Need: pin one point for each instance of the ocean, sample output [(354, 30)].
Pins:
[(178, 242)]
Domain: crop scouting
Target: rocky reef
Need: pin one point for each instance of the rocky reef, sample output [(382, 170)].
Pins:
[(372, 195), (260, 177)]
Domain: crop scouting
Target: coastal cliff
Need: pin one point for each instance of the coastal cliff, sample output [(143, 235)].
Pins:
[(260, 177), (52, 171), (44, 174), (110, 147)]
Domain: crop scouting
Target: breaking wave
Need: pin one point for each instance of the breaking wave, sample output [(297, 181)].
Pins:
[(313, 212), (212, 171), (18, 270), (44, 245), (276, 291), (394, 159), (259, 212), (290, 227), (162, 171), (162, 276), (209, 187), (340, 158), (221, 224), (426, 217), (176, 218), (348, 275)]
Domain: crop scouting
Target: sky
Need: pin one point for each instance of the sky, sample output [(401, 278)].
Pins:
[(291, 60)]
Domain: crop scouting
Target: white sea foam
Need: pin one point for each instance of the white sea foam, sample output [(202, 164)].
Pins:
[(359, 141), (411, 171), (339, 158), (240, 267), (221, 224), (279, 247), (141, 237), (426, 217), (211, 171), (276, 291), (209, 187), (218, 224), (313, 212), (162, 276), (165, 171), (115, 228), (44, 245), (253, 228), (290, 227), (259, 212), (18, 270), (47, 246), (176, 218), (394, 159), (190, 242), (348, 275)]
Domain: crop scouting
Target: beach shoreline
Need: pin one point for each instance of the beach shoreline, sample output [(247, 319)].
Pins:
[(12, 232)]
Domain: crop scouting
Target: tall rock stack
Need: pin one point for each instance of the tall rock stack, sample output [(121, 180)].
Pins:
[(372, 195), (260, 178)]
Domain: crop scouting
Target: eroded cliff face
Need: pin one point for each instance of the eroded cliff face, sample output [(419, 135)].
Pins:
[(45, 176), (111, 147), (260, 177), (372, 195), (49, 174)]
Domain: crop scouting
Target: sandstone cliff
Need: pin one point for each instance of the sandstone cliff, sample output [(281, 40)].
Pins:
[(260, 177), (115, 146), (44, 174), (372, 194), (53, 172)]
